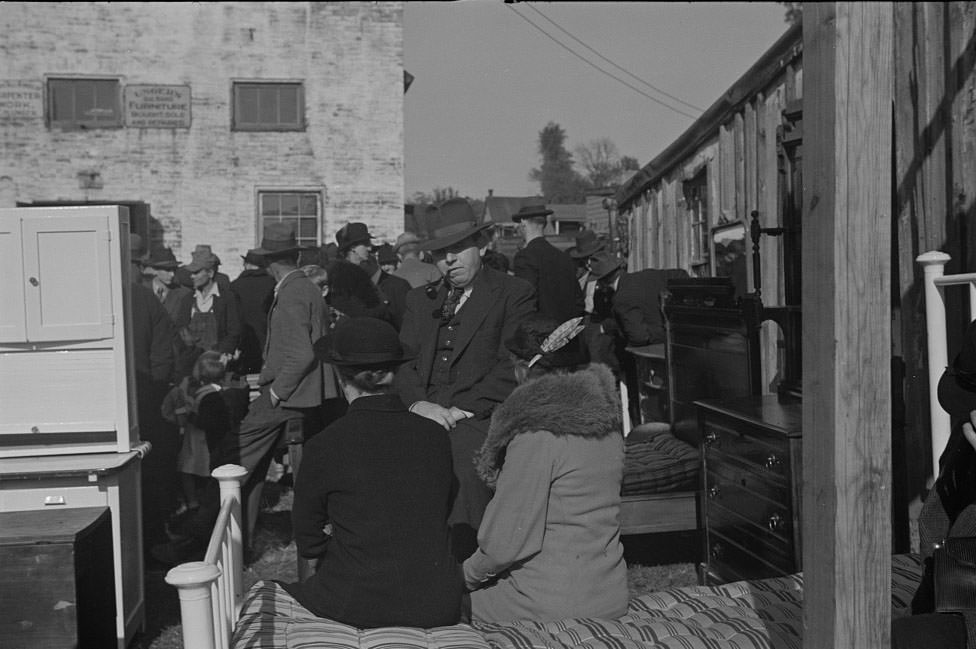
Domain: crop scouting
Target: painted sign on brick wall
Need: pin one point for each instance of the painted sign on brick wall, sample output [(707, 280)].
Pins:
[(21, 99), (152, 106)]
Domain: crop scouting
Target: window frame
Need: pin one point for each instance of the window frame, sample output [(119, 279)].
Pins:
[(694, 190), (236, 123), (319, 195), (75, 124)]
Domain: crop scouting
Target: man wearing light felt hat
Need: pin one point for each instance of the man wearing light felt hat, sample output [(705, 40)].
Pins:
[(462, 370)]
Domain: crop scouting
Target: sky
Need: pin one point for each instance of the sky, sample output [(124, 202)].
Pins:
[(487, 81)]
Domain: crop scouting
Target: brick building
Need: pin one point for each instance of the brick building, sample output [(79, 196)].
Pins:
[(207, 119)]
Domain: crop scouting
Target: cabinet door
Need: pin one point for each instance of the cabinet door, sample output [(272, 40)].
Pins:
[(13, 326), (67, 278)]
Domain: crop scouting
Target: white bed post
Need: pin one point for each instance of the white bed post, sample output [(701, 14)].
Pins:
[(933, 264), (231, 477), (196, 581)]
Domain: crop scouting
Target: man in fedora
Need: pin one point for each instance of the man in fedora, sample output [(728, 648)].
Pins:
[(354, 241), (462, 370), (549, 270), (587, 245), (175, 298), (412, 268), (292, 389), (254, 289)]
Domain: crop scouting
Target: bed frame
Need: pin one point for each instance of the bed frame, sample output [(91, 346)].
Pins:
[(935, 281), (211, 590)]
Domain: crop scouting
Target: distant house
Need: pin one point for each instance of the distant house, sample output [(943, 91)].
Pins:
[(565, 221)]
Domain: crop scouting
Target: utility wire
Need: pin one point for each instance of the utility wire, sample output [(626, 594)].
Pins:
[(627, 72), (598, 68)]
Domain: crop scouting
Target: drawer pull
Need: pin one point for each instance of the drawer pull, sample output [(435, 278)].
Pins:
[(714, 492), (774, 523), (773, 461), (711, 438), (717, 551), (53, 500)]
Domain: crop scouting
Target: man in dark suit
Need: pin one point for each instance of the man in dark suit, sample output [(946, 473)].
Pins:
[(254, 289), (550, 271), (637, 304), (462, 370), (354, 241)]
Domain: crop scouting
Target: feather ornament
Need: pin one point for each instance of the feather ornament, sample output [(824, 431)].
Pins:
[(559, 337)]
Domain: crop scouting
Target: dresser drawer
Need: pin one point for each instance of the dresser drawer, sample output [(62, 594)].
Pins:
[(769, 456), (729, 561), (22, 497), (776, 546), (730, 482)]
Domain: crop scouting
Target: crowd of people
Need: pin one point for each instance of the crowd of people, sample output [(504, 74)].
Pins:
[(462, 451)]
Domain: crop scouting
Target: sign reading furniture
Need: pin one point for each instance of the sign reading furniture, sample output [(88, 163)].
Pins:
[(154, 106)]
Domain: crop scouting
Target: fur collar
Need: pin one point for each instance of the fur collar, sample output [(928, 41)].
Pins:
[(584, 403)]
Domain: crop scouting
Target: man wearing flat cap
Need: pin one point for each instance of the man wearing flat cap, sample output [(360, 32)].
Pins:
[(462, 370), (212, 319), (549, 270)]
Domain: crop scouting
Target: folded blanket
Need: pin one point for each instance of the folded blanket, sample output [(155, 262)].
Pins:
[(659, 464)]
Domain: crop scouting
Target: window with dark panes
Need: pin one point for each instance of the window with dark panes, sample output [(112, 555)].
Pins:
[(300, 209), (269, 107), (696, 203), (84, 103)]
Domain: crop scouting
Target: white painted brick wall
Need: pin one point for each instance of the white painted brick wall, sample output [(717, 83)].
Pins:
[(202, 183)]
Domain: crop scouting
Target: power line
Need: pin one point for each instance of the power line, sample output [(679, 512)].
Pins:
[(627, 72), (598, 68)]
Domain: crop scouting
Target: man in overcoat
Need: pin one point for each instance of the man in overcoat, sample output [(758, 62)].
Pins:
[(254, 289), (462, 370), (549, 270)]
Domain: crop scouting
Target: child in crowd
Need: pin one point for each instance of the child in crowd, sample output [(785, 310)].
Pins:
[(186, 405)]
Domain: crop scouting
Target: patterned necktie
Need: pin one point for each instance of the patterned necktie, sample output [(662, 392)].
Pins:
[(450, 304), (160, 292)]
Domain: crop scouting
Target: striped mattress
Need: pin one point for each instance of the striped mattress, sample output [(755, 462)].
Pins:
[(757, 614)]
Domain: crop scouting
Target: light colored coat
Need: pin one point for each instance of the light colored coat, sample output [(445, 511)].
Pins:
[(549, 544)]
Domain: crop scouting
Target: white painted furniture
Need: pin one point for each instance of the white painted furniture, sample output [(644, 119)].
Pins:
[(211, 590), (91, 480), (64, 383)]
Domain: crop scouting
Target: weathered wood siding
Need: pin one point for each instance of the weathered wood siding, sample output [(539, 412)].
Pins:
[(737, 149)]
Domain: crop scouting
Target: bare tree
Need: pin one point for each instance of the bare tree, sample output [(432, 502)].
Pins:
[(603, 163)]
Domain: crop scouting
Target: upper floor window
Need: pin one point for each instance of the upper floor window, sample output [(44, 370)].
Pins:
[(696, 203), (84, 103), (262, 106), (300, 209)]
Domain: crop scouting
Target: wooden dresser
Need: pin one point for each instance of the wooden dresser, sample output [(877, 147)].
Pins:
[(751, 480)]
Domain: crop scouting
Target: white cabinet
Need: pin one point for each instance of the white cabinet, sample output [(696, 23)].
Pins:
[(65, 386), (91, 480)]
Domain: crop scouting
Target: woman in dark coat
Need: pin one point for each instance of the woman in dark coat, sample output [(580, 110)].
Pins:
[(949, 511), (381, 478)]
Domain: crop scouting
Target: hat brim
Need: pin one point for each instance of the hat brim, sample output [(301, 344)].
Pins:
[(164, 265), (517, 218), (451, 239), (580, 253), (324, 353), (954, 399), (278, 253)]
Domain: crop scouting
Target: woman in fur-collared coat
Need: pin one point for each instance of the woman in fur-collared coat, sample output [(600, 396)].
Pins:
[(549, 545)]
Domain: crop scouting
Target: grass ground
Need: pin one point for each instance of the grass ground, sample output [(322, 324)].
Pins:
[(275, 558)]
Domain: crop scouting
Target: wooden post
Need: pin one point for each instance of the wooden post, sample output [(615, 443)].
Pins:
[(847, 60)]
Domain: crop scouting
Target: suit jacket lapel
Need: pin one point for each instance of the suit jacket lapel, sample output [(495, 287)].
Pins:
[(475, 309)]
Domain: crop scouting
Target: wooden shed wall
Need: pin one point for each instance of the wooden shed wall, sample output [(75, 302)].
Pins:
[(934, 201), (739, 157)]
